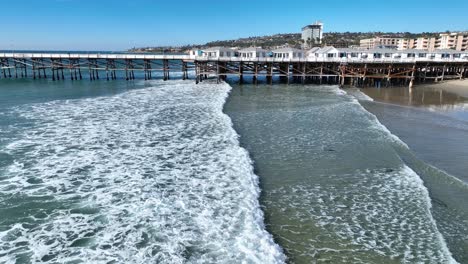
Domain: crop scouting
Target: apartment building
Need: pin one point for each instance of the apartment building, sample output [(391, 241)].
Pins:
[(380, 42), (456, 41)]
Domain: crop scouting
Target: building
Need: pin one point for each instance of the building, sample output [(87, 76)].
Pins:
[(288, 53), (312, 34), (425, 43), (253, 53), (312, 53), (457, 41), (336, 54), (381, 42), (195, 53), (331, 53), (325, 52), (421, 43), (219, 52), (406, 44)]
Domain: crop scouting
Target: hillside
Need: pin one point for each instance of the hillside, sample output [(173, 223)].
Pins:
[(338, 39)]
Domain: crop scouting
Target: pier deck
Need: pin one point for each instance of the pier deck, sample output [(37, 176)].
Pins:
[(343, 71)]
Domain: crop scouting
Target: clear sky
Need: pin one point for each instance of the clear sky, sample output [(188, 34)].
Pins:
[(122, 24)]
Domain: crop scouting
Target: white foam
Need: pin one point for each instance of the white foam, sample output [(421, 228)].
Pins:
[(389, 219), (415, 178), (150, 175), (358, 94), (366, 215)]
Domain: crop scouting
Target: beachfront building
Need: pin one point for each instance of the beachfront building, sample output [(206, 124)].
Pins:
[(312, 34), (330, 53), (457, 41), (312, 53), (421, 43), (424, 43), (288, 53), (380, 42), (447, 54), (195, 53), (327, 52), (254, 52), (406, 44), (219, 52)]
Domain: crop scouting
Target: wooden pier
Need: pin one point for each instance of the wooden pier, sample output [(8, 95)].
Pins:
[(341, 71)]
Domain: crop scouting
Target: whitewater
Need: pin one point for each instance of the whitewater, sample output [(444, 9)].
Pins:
[(157, 174), (153, 175)]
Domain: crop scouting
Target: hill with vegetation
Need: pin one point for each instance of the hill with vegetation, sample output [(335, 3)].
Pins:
[(338, 39)]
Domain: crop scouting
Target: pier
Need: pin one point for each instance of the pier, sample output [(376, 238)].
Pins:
[(358, 72)]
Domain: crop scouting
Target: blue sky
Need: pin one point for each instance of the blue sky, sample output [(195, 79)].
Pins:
[(122, 24)]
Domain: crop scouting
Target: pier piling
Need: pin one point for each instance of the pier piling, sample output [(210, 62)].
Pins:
[(362, 73)]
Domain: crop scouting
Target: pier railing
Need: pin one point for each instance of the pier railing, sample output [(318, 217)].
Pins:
[(93, 56), (225, 59), (58, 66)]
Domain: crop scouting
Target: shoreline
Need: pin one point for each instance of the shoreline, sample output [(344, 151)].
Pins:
[(445, 95), (458, 87)]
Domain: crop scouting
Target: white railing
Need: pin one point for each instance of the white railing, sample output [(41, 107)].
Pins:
[(92, 56), (337, 60)]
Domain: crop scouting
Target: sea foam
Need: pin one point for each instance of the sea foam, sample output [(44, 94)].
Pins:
[(150, 175), (355, 201)]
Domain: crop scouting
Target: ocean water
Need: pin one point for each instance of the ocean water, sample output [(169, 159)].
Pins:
[(434, 124), (126, 173), (337, 186), (173, 172)]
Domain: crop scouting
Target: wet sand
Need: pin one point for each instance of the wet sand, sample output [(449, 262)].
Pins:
[(433, 121), (459, 87), (430, 119), (444, 95)]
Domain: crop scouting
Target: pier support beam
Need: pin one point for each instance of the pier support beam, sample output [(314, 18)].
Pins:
[(358, 73), (412, 76), (166, 70), (443, 72), (342, 75)]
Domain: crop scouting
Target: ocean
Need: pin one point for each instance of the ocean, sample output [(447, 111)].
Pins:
[(339, 187), (173, 172), (126, 173)]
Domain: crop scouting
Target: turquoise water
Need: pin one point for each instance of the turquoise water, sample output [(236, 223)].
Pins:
[(155, 172)]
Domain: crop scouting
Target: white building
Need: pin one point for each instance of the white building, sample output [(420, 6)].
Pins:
[(312, 53), (253, 53), (195, 53), (448, 54), (328, 52), (312, 34), (219, 52), (288, 53), (331, 53)]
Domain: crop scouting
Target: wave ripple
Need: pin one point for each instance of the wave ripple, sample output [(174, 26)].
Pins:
[(150, 175)]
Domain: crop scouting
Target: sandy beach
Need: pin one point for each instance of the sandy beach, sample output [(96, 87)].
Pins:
[(459, 87)]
